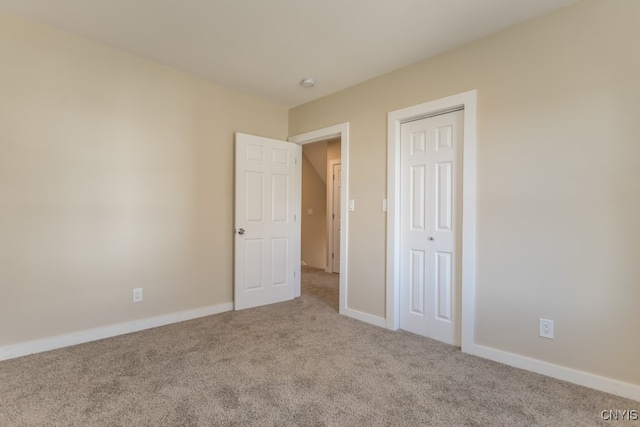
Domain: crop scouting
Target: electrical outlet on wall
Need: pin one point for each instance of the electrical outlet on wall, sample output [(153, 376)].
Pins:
[(546, 328), (137, 294)]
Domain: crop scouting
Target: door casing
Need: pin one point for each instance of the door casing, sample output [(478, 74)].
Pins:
[(468, 102)]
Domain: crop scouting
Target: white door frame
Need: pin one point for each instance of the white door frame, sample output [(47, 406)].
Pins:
[(468, 101), (330, 184), (342, 131)]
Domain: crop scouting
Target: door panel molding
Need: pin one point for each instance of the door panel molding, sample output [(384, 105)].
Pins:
[(466, 101)]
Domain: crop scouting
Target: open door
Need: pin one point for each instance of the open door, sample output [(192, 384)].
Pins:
[(267, 227)]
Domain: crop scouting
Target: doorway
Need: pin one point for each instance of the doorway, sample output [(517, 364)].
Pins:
[(320, 223), (333, 133)]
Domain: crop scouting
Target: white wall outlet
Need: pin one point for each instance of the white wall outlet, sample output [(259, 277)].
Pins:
[(137, 294), (546, 328)]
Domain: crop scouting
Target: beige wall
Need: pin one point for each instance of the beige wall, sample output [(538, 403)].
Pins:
[(115, 173), (314, 225), (333, 150), (316, 153), (558, 181)]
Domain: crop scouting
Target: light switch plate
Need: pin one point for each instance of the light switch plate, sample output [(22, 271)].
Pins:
[(352, 205)]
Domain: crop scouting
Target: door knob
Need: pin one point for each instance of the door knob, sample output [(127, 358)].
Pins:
[(432, 238), (241, 231)]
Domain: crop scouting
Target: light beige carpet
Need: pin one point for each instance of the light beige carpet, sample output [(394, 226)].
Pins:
[(294, 363)]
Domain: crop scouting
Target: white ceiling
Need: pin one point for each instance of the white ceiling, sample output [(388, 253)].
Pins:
[(265, 47)]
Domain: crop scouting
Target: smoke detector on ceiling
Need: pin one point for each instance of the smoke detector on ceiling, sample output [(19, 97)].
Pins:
[(308, 82)]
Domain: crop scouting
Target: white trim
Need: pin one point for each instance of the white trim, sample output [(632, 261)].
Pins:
[(330, 184), (467, 101), (608, 385), (87, 335), (365, 317), (342, 131)]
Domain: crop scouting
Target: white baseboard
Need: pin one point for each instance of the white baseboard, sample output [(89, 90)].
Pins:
[(364, 317), (66, 340), (608, 385)]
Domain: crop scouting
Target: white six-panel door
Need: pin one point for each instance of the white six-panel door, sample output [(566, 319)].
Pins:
[(431, 193), (267, 204)]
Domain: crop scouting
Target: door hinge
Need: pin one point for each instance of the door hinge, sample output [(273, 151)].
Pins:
[(333, 216), (332, 255)]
